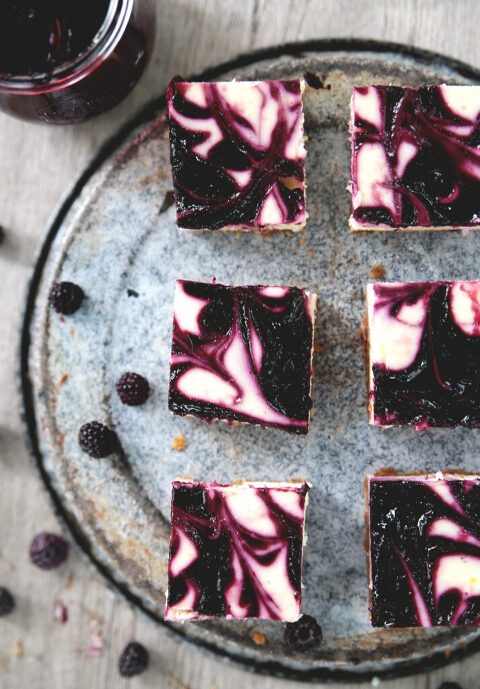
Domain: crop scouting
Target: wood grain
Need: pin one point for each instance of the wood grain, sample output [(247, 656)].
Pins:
[(37, 164)]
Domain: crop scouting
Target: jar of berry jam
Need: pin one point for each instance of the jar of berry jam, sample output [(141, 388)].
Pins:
[(64, 61)]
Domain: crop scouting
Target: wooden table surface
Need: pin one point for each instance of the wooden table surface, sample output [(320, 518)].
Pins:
[(37, 164)]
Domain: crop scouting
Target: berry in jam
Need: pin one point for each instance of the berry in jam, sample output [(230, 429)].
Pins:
[(36, 36), (64, 61)]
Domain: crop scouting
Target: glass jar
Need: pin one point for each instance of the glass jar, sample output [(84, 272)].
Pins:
[(95, 80)]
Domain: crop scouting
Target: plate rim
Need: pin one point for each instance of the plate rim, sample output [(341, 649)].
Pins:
[(143, 116)]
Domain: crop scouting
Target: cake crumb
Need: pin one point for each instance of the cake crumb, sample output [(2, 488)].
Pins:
[(61, 382), (378, 271), (310, 251), (290, 182), (317, 348), (17, 650), (259, 639), (301, 241), (174, 682), (96, 645), (60, 612), (179, 443)]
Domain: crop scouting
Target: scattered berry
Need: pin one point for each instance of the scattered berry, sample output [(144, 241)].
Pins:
[(133, 389), (450, 685), (48, 550), (2, 234), (304, 634), (134, 659), (66, 297), (97, 440), (7, 602)]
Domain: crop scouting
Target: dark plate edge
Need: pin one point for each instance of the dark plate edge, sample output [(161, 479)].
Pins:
[(24, 386)]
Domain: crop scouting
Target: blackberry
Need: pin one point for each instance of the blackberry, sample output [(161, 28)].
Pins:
[(450, 685), (48, 550), (303, 635), (66, 297), (134, 660), (7, 602), (133, 389), (2, 234), (97, 440)]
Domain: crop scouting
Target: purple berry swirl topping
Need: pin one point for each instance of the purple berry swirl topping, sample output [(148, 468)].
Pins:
[(415, 157), (243, 354), (236, 551), (424, 550), (237, 154), (424, 354)]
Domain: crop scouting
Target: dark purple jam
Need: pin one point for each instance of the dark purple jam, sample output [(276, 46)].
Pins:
[(425, 552), (63, 61), (36, 36)]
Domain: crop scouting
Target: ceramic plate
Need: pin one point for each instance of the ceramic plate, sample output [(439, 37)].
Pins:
[(115, 235)]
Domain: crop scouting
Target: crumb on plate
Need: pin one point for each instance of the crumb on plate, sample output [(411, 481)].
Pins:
[(179, 443)]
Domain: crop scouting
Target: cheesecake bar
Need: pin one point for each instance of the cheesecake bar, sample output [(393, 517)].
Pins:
[(243, 354), (415, 158), (424, 354), (236, 550), (424, 538), (237, 153)]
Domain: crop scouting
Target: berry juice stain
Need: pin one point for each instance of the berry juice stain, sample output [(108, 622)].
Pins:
[(36, 36)]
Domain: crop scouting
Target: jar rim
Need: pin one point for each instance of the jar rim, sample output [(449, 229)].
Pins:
[(103, 43)]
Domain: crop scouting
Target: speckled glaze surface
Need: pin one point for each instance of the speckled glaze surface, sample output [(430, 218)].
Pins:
[(119, 242)]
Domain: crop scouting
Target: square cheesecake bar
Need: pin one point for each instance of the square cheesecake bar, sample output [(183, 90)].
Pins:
[(424, 354), (236, 550), (237, 153), (415, 158), (424, 546), (243, 354)]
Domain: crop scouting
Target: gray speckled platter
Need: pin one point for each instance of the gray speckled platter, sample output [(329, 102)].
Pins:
[(116, 236)]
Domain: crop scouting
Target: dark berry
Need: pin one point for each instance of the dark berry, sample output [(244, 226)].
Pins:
[(438, 183), (133, 389), (450, 685), (315, 81), (48, 550), (66, 297), (97, 440), (375, 216), (304, 634), (134, 659), (2, 234), (6, 602), (216, 318)]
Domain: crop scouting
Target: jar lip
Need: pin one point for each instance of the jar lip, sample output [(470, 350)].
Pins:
[(103, 43)]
